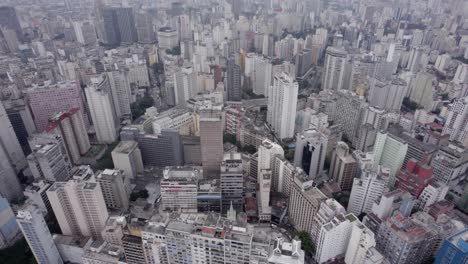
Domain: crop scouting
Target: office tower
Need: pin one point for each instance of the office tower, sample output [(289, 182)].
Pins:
[(262, 75), (37, 235), (114, 186), (367, 189), (450, 163), (233, 81), (9, 230), (126, 25), (333, 77), (334, 237), (303, 62), (121, 93), (164, 149), (454, 249), (211, 140), (21, 120), (457, 121), (79, 205), (102, 109), (401, 240), (70, 126), (48, 162), (110, 27), (433, 193), (282, 103), (185, 84), (47, 100), (387, 96), (232, 182), (133, 249), (311, 148), (304, 203), (361, 246), (126, 156), (421, 91), (414, 178), (349, 113), (179, 188), (10, 144), (343, 166), (9, 19), (390, 152), (328, 210)]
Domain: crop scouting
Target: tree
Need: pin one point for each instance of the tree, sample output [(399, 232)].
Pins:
[(306, 241), (140, 194), (138, 108), (229, 138)]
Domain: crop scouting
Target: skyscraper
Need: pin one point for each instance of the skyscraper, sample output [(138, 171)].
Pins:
[(422, 90), (390, 152), (232, 182), (366, 190), (282, 103), (328, 210), (343, 166), (457, 121), (127, 157), (9, 142), (48, 162), (454, 249), (110, 26), (311, 148), (37, 235), (9, 230), (233, 81), (102, 109), (333, 77), (9, 19), (361, 246), (114, 189), (79, 204), (126, 25), (211, 140), (121, 93)]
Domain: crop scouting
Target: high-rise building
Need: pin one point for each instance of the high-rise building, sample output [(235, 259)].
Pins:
[(144, 27), (114, 186), (9, 19), (433, 193), (233, 81), (304, 203), (334, 237), (133, 249), (390, 152), (126, 25), (350, 109), (311, 148), (232, 182), (9, 230), (401, 240), (343, 166), (333, 77), (70, 126), (262, 75), (10, 144), (79, 204), (48, 99), (121, 93), (361, 246), (127, 157), (328, 210), (102, 109), (422, 90), (457, 121), (367, 189), (450, 164), (10, 187), (22, 122), (179, 188), (110, 27), (387, 96), (282, 103), (211, 140), (37, 235), (185, 84), (48, 162), (303, 62), (414, 178), (454, 249)]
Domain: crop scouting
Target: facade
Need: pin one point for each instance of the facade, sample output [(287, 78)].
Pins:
[(388, 96), (76, 215), (311, 148), (422, 90), (114, 189), (49, 162), (349, 114), (454, 249), (389, 152), (414, 178), (47, 100), (232, 182), (450, 164), (211, 140), (433, 193), (121, 93), (133, 249), (102, 109), (282, 103), (126, 25), (9, 142), (367, 189), (127, 157), (334, 76), (71, 127), (111, 29), (38, 236), (457, 121), (179, 188), (328, 210), (233, 81), (343, 166), (361, 246)]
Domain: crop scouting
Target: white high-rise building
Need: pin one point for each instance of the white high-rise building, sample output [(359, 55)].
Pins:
[(127, 157), (390, 152), (121, 93), (102, 109), (185, 84), (361, 245), (114, 188), (311, 148), (37, 235), (457, 122), (79, 205), (461, 75), (422, 90), (282, 103), (367, 189), (48, 162), (9, 142), (262, 75), (343, 166), (333, 77), (434, 192), (328, 210), (388, 96), (334, 237)]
